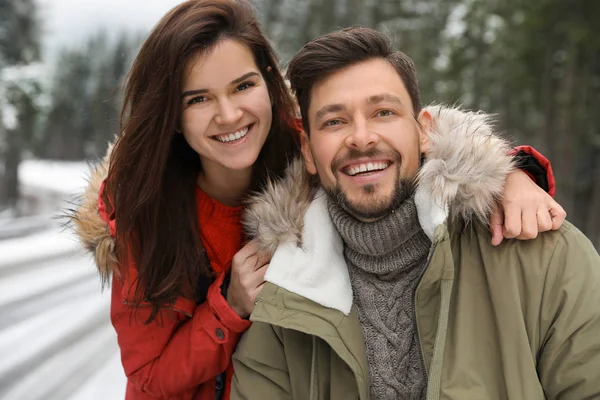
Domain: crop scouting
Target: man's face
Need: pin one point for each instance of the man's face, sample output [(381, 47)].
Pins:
[(365, 143)]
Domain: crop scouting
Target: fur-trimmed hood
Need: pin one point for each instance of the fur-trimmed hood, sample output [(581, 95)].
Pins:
[(93, 232), (462, 176)]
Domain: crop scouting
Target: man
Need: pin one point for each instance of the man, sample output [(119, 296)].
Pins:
[(384, 283)]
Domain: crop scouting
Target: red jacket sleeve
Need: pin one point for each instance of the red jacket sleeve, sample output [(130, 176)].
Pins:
[(175, 353), (536, 166)]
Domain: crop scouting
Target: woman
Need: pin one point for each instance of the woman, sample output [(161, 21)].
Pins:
[(207, 119)]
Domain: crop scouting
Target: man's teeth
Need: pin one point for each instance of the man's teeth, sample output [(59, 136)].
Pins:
[(367, 167), (232, 136)]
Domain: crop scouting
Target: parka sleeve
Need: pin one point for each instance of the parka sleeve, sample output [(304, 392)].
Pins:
[(260, 366), (569, 358)]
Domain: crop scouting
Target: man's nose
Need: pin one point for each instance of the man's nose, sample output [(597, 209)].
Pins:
[(361, 137)]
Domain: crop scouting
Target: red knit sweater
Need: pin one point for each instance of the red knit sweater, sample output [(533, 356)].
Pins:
[(221, 234), (220, 230)]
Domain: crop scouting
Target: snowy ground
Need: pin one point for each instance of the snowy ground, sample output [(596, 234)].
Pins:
[(56, 340), (64, 177)]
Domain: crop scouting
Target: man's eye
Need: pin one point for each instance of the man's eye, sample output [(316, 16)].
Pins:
[(245, 86), (198, 99), (385, 113), (332, 122)]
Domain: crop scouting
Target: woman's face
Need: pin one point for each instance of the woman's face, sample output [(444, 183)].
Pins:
[(226, 107)]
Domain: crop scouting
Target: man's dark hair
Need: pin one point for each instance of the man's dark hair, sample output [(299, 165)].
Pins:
[(327, 54)]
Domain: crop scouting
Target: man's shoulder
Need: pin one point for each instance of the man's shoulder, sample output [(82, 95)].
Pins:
[(527, 276), (567, 238), (564, 248)]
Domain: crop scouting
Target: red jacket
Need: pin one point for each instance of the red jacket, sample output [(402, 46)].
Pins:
[(168, 359), (180, 353)]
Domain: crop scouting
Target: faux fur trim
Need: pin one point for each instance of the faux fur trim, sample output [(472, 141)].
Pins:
[(92, 231), (467, 163), (276, 215)]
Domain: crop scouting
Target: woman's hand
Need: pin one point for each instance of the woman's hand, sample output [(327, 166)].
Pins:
[(524, 211), (247, 278)]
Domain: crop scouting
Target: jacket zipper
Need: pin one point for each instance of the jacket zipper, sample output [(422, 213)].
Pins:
[(414, 314)]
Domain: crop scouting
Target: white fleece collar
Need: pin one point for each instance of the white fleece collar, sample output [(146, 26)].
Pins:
[(318, 270)]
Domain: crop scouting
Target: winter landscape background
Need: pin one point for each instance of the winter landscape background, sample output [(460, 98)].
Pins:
[(56, 340), (535, 63)]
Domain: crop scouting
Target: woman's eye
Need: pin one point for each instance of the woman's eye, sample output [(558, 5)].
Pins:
[(198, 99), (245, 86), (385, 113)]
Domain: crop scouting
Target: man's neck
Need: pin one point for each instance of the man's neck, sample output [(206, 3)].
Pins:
[(384, 236)]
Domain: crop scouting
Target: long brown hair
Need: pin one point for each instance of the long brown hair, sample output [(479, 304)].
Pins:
[(153, 170)]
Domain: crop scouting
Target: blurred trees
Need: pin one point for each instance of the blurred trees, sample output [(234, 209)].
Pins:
[(19, 46), (535, 63), (71, 117), (84, 109)]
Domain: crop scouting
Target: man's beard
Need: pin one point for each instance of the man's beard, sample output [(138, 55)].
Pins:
[(371, 211)]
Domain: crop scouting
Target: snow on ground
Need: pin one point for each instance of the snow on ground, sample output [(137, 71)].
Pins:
[(64, 177), (47, 189), (56, 339), (49, 243)]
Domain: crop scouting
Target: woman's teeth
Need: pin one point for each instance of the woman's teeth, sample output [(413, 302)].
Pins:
[(232, 136)]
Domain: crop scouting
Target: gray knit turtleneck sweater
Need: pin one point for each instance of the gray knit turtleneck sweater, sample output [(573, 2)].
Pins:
[(385, 260)]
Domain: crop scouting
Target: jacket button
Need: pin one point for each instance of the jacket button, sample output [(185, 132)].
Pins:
[(220, 334)]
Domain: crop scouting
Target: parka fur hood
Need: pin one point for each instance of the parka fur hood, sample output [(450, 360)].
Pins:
[(93, 232), (462, 176)]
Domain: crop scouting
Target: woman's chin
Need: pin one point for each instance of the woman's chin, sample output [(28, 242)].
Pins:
[(240, 164)]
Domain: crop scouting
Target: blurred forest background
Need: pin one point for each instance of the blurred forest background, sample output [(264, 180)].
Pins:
[(536, 63)]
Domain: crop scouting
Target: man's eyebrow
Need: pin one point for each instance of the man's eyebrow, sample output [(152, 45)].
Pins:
[(331, 108), (233, 82), (378, 98)]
